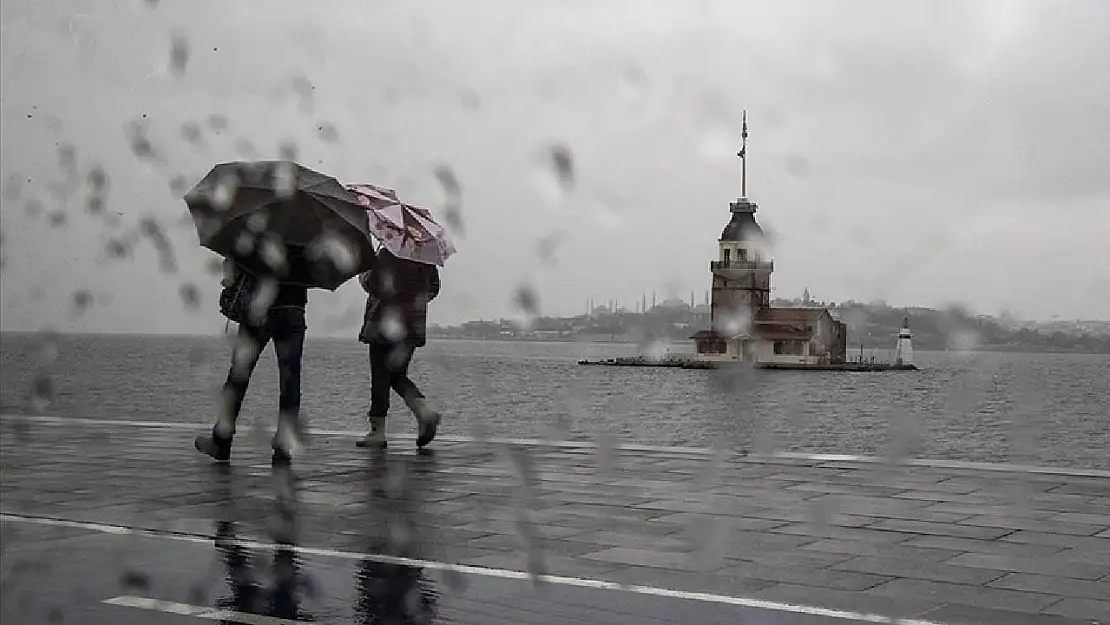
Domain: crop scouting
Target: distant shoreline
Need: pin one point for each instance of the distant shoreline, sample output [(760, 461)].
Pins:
[(1018, 349)]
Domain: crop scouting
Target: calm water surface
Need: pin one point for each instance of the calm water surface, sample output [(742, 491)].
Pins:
[(1032, 408)]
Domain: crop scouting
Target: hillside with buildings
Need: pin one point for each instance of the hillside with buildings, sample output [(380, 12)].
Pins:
[(873, 324)]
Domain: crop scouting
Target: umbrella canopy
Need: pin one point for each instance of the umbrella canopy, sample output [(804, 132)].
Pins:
[(406, 231), (284, 220)]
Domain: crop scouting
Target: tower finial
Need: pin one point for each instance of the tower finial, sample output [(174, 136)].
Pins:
[(743, 154)]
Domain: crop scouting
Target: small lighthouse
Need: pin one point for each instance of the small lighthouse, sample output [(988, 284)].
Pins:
[(903, 351)]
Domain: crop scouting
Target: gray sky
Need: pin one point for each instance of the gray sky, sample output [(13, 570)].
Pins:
[(925, 153)]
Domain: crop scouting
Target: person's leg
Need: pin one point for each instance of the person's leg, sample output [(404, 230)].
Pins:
[(379, 396), (249, 343), (288, 327), (427, 419)]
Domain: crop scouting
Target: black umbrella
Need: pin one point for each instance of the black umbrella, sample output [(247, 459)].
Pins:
[(280, 219)]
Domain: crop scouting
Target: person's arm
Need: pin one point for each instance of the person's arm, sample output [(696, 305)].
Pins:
[(229, 273), (433, 283), (364, 281)]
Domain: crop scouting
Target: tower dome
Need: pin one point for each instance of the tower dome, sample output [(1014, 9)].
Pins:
[(742, 228)]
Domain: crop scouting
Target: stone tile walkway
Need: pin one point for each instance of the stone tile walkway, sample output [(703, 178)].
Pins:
[(941, 542)]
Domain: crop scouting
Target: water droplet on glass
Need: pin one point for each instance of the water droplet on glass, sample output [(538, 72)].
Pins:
[(332, 248), (56, 219), (217, 122), (303, 89), (178, 185), (245, 149), (42, 384), (95, 205), (179, 54), (797, 166), (34, 207), (287, 150), (285, 176), (547, 245), (327, 132), (391, 327), (223, 195), (527, 300), (117, 248), (214, 266), (192, 133), (190, 296), (140, 143), (82, 300), (563, 165), (134, 580), (264, 295), (152, 230)]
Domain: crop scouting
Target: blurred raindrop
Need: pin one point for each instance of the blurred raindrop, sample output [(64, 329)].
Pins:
[(152, 230), (287, 150), (118, 248), (547, 245), (304, 90), (191, 132), (797, 166), (82, 301), (470, 101), (190, 296), (217, 123), (452, 207), (140, 143), (34, 207), (56, 219), (327, 132), (179, 54), (527, 301), (98, 180), (563, 165), (263, 297), (179, 185), (332, 248), (42, 384), (285, 183), (245, 149), (134, 580), (214, 266), (67, 156)]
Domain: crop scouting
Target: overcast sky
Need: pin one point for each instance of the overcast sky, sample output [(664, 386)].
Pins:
[(924, 153)]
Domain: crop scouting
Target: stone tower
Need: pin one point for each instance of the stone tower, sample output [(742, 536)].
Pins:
[(742, 271)]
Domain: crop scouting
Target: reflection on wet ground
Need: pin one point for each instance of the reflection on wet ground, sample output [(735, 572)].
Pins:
[(116, 523)]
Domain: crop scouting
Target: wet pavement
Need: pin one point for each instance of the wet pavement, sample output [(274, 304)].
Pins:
[(116, 523)]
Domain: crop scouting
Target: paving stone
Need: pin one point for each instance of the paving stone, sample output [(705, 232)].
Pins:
[(858, 548), (983, 546), (1086, 609), (1100, 520), (805, 576), (1008, 512), (1056, 565), (940, 529), (645, 557), (686, 519), (1047, 526), (935, 571), (801, 558), (1063, 586), (974, 615), (817, 531), (605, 538), (980, 596), (1090, 543)]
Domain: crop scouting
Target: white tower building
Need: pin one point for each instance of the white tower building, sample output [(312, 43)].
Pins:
[(903, 350)]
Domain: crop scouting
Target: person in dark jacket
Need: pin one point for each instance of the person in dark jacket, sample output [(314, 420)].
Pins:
[(283, 322), (394, 326)]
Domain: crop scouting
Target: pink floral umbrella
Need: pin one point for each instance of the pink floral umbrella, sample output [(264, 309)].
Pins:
[(405, 230)]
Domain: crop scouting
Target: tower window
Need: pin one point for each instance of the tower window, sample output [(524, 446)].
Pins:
[(741, 254), (727, 253)]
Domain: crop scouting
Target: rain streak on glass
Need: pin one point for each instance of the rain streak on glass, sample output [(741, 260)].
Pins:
[(179, 54)]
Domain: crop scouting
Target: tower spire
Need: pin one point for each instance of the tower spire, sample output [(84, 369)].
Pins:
[(743, 154)]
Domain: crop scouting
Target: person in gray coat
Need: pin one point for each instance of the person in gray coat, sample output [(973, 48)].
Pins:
[(395, 324)]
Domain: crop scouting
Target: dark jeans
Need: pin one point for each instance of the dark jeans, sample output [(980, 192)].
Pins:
[(389, 369), (285, 326)]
